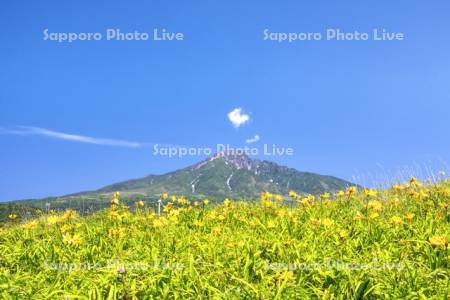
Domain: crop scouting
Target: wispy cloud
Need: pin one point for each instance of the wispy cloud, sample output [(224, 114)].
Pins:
[(254, 139), (237, 118), (30, 130)]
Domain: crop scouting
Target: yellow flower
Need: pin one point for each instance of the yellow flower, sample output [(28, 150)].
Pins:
[(395, 202), (414, 182), (423, 194), (266, 196), (77, 240), (72, 240), (159, 222), (409, 216), (315, 221), (30, 225), (167, 208), (182, 200), (175, 212), (270, 224), (327, 222), (309, 200), (343, 233), (65, 228), (120, 232), (51, 220), (268, 204), (115, 199), (140, 203), (373, 215), (281, 213), (444, 205), (396, 220), (67, 239), (375, 205), (397, 187), (325, 196), (173, 219), (359, 216), (287, 276), (370, 193), (199, 223), (446, 192), (438, 216), (164, 196), (351, 190), (414, 194), (340, 193), (439, 241), (293, 194), (227, 203), (114, 214), (70, 214), (206, 201), (12, 216)]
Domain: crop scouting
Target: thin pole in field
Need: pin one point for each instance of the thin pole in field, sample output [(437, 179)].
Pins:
[(159, 207)]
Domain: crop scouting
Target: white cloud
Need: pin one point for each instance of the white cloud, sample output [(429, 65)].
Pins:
[(254, 139), (29, 130), (237, 118)]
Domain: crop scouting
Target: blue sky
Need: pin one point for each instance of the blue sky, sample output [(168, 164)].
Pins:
[(346, 107)]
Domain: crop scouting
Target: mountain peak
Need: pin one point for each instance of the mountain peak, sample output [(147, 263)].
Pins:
[(236, 159)]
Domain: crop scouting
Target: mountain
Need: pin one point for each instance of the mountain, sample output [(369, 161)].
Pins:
[(216, 178), (230, 176)]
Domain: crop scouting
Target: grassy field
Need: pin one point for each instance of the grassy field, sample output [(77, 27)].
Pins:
[(356, 244)]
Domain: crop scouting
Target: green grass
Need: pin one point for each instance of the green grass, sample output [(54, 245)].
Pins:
[(320, 249)]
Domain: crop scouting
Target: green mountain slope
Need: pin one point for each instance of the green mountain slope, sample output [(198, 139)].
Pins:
[(230, 176)]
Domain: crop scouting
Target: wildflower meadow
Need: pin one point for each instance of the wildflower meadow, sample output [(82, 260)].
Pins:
[(354, 244)]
